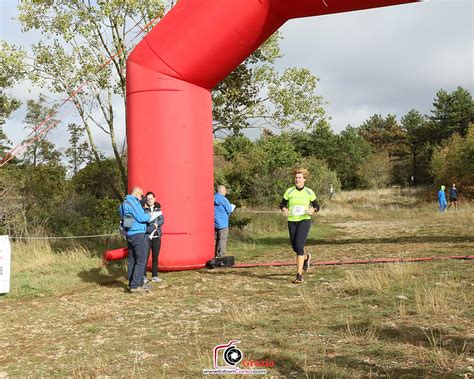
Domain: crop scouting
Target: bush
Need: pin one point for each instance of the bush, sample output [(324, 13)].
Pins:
[(453, 162), (321, 179), (375, 172), (259, 174)]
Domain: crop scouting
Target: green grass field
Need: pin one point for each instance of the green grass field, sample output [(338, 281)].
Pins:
[(67, 315)]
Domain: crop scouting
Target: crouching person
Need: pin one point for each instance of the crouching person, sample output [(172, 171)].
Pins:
[(136, 219)]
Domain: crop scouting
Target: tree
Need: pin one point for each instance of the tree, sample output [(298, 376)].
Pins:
[(43, 192), (5, 143), (320, 180), (375, 171), (319, 142), (384, 134), (255, 95), (236, 144), (79, 151), (417, 130), (274, 152), (352, 150), (256, 171), (39, 150), (11, 70), (12, 208), (80, 37), (454, 160), (452, 113)]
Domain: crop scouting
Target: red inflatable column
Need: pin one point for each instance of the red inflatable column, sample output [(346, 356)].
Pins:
[(170, 152)]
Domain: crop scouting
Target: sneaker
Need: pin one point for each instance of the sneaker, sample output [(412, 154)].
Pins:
[(145, 280), (156, 279), (144, 288), (307, 262), (298, 279)]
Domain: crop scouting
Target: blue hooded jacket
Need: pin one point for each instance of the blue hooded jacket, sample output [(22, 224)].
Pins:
[(132, 207), (441, 197), (222, 210)]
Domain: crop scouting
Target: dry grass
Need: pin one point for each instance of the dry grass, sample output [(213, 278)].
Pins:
[(431, 300), (380, 279), (444, 359), (92, 368), (67, 316), (38, 254), (310, 303), (381, 196), (389, 203), (354, 204), (360, 334), (245, 315)]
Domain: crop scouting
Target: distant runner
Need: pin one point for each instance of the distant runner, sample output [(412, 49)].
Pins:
[(442, 199), (453, 197)]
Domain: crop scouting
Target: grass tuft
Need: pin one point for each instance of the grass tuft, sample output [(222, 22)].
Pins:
[(444, 359)]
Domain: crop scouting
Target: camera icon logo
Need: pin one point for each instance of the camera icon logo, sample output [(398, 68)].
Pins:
[(230, 354)]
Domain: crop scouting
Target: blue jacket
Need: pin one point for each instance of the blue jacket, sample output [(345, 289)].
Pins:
[(222, 210), (441, 197), (132, 207)]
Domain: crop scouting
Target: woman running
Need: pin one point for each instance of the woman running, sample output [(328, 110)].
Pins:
[(298, 204)]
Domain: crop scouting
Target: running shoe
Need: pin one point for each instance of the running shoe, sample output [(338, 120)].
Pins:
[(298, 279), (307, 262)]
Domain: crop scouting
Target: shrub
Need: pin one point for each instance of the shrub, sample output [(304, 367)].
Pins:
[(453, 162)]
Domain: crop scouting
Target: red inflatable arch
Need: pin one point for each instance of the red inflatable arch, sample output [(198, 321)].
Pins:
[(170, 74)]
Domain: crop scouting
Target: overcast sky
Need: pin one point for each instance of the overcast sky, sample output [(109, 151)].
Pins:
[(386, 60)]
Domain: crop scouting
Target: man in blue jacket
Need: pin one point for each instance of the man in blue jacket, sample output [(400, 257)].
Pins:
[(222, 209), (137, 242)]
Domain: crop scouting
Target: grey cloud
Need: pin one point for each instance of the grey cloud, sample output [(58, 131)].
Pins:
[(385, 60)]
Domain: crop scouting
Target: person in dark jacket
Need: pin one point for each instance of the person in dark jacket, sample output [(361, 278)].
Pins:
[(137, 242), (453, 197), (154, 233), (222, 209)]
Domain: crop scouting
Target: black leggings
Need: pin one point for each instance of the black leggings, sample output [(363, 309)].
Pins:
[(155, 245), (298, 234)]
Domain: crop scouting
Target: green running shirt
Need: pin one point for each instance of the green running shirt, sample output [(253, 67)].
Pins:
[(298, 202)]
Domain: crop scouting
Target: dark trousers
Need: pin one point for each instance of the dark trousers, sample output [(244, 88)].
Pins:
[(298, 234), (137, 253), (155, 245)]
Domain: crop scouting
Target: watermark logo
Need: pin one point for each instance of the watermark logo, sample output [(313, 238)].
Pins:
[(227, 357), (231, 354)]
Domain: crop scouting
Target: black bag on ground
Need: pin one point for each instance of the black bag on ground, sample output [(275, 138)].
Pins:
[(227, 261)]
